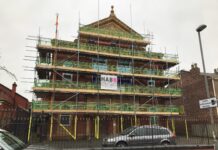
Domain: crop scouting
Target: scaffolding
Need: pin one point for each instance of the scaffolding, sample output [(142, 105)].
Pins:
[(52, 60)]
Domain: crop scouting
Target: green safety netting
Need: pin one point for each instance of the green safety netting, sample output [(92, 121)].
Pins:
[(124, 88), (114, 50), (105, 67), (43, 105)]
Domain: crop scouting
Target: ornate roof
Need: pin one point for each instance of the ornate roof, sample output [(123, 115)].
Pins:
[(112, 22)]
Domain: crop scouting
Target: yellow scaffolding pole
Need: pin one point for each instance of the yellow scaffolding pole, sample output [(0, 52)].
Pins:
[(51, 128), (61, 125), (186, 130), (97, 127), (135, 120), (75, 127), (173, 126), (29, 129), (121, 123)]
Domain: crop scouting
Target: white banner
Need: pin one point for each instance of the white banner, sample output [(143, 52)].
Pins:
[(108, 82)]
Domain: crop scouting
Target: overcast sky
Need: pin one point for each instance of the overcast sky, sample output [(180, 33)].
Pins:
[(172, 22)]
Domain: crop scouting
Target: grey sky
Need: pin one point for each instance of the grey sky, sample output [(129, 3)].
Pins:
[(172, 22)]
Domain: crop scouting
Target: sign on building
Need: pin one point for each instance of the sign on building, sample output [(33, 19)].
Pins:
[(207, 103), (108, 82)]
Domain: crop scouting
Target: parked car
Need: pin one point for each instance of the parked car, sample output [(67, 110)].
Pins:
[(140, 136), (9, 141)]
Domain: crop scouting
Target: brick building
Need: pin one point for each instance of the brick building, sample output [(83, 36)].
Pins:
[(14, 111), (102, 82), (193, 86), (9, 99)]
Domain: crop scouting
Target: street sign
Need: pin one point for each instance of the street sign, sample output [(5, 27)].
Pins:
[(208, 103)]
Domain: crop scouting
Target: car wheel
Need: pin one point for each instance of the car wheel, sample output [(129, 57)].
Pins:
[(165, 143), (121, 144)]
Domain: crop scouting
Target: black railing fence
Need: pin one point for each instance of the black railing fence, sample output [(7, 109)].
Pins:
[(70, 131)]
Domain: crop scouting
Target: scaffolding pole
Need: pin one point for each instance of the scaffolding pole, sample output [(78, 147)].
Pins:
[(75, 127), (51, 127), (121, 123), (29, 128), (97, 127), (186, 130), (173, 126)]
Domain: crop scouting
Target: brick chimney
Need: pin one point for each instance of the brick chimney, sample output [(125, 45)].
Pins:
[(194, 69), (13, 92)]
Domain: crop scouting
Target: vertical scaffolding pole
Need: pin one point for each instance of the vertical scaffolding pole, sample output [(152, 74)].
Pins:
[(98, 83), (97, 127), (135, 119), (133, 70), (77, 80), (75, 127), (186, 129), (29, 128), (173, 126), (121, 123), (53, 78), (121, 97), (51, 127)]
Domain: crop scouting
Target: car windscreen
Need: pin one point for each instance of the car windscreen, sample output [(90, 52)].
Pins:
[(11, 141), (128, 130)]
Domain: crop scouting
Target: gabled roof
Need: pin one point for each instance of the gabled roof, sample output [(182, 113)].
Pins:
[(113, 22), (9, 90)]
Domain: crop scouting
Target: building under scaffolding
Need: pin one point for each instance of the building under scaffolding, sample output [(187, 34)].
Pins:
[(103, 82)]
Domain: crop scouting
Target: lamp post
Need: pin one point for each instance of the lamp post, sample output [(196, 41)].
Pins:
[(199, 29)]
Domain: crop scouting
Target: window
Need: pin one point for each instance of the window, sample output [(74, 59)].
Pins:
[(100, 60), (65, 120), (157, 131), (124, 80), (124, 63), (151, 82), (140, 131), (99, 64), (67, 76)]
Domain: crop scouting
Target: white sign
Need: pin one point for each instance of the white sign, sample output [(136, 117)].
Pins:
[(207, 103), (108, 82)]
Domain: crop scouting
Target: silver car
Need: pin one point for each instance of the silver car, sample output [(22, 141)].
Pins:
[(140, 136), (9, 141)]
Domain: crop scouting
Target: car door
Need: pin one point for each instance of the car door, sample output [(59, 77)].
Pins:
[(138, 137), (158, 134)]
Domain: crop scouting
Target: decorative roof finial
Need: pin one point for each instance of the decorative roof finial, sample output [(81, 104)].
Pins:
[(112, 11)]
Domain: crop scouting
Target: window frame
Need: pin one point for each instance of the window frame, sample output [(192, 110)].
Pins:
[(71, 76), (65, 115)]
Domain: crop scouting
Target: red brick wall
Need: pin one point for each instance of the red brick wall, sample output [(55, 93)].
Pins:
[(13, 99), (193, 90)]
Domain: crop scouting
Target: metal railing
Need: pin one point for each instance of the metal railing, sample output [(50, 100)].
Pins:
[(45, 105), (105, 67), (124, 88), (110, 50)]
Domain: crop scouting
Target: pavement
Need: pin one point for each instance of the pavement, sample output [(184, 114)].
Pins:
[(96, 144)]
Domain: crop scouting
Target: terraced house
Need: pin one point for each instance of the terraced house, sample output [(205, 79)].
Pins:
[(104, 81)]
